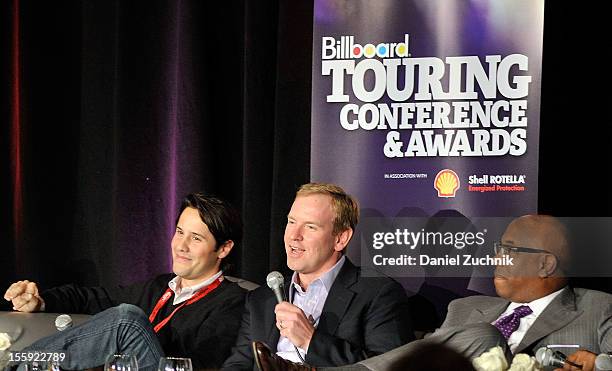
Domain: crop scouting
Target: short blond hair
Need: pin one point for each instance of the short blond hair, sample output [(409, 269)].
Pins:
[(345, 206)]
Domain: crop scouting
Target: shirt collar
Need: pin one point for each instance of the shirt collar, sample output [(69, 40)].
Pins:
[(538, 305), (190, 290), (326, 279)]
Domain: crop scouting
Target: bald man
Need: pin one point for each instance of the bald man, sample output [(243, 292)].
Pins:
[(534, 290)]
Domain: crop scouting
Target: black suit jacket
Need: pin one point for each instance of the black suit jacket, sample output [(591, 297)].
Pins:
[(362, 316)]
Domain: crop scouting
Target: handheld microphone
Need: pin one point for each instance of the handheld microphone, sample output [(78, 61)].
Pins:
[(276, 282), (548, 357), (63, 322), (603, 362)]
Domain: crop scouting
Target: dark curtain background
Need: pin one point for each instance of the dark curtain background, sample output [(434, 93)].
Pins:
[(113, 110)]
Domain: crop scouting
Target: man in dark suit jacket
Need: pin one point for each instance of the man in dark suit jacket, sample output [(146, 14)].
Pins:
[(337, 314)]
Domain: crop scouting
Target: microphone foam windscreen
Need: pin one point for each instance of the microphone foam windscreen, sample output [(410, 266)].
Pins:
[(275, 279), (63, 321)]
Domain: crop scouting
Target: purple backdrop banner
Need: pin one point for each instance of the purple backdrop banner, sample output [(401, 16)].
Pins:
[(424, 105)]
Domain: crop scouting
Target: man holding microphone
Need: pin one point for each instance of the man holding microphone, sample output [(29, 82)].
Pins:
[(335, 313)]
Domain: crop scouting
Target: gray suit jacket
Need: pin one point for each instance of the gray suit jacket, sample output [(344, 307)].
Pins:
[(576, 316)]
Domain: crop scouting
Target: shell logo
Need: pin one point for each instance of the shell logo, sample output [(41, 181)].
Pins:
[(446, 183)]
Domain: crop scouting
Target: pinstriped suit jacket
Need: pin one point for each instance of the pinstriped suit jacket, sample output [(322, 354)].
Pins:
[(576, 316)]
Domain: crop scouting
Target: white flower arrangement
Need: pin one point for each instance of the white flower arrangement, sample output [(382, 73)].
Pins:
[(5, 341), (5, 344), (491, 360), (494, 360), (524, 362)]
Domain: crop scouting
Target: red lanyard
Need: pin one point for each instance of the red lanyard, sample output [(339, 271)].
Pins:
[(166, 296)]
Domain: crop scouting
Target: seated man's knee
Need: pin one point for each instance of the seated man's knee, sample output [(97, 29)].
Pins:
[(131, 312)]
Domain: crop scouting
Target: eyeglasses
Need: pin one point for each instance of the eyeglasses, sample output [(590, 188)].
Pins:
[(501, 249)]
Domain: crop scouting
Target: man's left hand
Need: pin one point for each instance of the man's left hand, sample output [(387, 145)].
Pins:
[(581, 357), (293, 324)]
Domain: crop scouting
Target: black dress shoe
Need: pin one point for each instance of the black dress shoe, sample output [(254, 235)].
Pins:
[(268, 361)]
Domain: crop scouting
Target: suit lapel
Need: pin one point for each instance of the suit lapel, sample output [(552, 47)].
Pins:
[(561, 311), (339, 298), (488, 313)]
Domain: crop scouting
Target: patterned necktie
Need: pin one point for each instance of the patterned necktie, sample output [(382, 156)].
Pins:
[(508, 324)]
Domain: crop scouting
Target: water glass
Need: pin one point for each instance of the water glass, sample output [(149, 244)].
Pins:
[(41, 366), (174, 364), (121, 362)]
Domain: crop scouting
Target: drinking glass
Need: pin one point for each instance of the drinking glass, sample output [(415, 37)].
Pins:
[(121, 362), (174, 364), (41, 366)]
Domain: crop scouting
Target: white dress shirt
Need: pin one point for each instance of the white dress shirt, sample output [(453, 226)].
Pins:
[(311, 302)]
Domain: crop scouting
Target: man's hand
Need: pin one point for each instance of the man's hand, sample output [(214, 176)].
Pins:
[(24, 296), (581, 357), (293, 324)]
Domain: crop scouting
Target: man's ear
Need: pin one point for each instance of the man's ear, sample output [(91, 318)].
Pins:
[(342, 239), (225, 249), (548, 265)]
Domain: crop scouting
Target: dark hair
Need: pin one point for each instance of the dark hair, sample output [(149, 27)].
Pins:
[(221, 218)]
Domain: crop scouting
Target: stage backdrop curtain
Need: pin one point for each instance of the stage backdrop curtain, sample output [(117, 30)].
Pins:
[(115, 110)]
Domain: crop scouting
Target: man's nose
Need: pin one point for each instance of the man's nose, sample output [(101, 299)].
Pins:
[(183, 245), (295, 233)]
